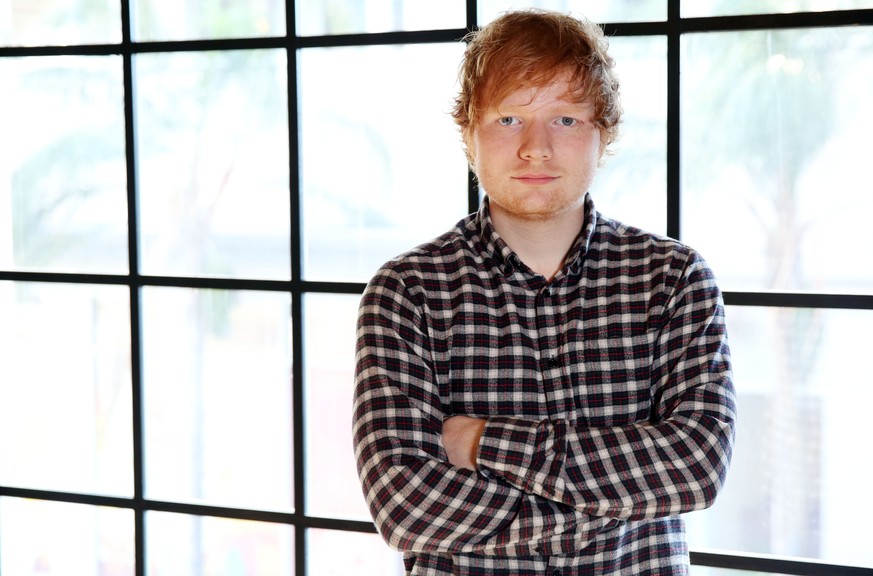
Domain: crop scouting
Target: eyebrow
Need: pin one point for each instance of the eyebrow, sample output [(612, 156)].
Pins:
[(505, 109)]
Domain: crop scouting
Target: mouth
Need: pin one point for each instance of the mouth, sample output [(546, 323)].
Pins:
[(535, 179)]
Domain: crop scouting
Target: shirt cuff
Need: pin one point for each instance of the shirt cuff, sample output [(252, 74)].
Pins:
[(507, 448)]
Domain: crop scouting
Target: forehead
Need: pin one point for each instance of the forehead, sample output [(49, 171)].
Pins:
[(559, 87), (558, 94)]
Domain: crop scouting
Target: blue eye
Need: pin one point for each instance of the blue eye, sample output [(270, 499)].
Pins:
[(567, 121), (507, 121)]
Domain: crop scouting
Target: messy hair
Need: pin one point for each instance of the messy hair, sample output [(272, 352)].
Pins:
[(531, 48)]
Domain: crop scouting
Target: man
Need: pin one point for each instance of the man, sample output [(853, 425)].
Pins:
[(541, 390)]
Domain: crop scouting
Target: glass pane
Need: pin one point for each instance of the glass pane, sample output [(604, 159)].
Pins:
[(695, 8), (382, 165), (59, 22), (207, 19), (362, 554), (38, 537), (182, 544), (775, 129), (63, 199), (800, 474), (317, 17), (595, 10), (217, 397), (632, 184), (212, 132), (65, 390), (332, 487)]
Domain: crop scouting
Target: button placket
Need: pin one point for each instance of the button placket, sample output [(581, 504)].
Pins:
[(550, 361), (550, 352)]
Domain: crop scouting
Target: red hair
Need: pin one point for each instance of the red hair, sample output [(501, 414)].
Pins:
[(531, 48)]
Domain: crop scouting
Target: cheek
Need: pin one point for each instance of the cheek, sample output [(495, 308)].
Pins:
[(588, 151), (491, 149), (481, 153), (597, 146)]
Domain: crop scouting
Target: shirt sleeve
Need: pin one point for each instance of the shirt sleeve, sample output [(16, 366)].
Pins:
[(673, 463), (419, 502)]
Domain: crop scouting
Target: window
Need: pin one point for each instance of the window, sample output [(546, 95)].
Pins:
[(192, 195)]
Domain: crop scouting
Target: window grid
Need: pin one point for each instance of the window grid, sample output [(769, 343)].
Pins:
[(672, 28)]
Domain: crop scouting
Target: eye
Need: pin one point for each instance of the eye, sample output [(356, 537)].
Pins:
[(507, 121), (567, 121)]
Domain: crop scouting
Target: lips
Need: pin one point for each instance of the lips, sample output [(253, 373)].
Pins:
[(534, 179)]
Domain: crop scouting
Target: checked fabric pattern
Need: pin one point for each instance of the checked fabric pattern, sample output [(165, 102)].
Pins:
[(607, 391)]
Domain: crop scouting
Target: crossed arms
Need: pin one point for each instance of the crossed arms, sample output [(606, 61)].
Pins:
[(502, 484)]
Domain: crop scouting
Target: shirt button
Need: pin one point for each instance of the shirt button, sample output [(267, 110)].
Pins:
[(553, 362), (547, 292), (556, 572)]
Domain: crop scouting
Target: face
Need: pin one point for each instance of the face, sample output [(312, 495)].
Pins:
[(535, 153)]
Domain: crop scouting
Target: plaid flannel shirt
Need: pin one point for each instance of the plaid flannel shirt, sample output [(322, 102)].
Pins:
[(607, 392)]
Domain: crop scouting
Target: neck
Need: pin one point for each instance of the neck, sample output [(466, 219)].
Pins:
[(542, 244)]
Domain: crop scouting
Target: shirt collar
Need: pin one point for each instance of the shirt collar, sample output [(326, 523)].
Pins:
[(497, 248)]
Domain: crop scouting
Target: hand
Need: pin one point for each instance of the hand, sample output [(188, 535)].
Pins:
[(461, 440)]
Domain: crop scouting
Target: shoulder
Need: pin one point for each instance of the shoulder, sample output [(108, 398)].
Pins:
[(629, 250), (610, 234), (634, 243), (430, 264)]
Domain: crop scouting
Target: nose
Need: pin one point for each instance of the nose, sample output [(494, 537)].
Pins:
[(536, 143)]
